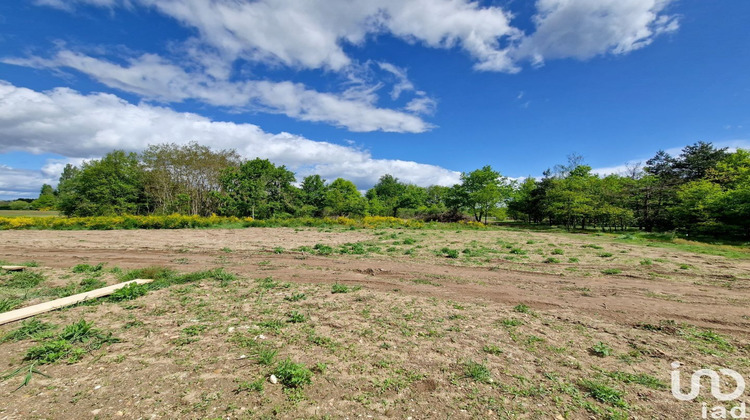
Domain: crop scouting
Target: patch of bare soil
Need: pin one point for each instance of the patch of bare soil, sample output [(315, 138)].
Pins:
[(495, 332)]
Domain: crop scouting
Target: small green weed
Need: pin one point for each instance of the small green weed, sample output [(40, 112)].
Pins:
[(129, 292), (296, 317), (477, 371), (86, 268), (492, 349), (604, 393), (254, 386), (293, 375), (600, 349), (295, 297), (522, 308)]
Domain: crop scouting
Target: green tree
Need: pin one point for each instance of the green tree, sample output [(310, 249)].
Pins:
[(184, 178), (109, 186), (313, 195), (343, 199), (47, 199), (256, 188), (388, 194), (482, 191)]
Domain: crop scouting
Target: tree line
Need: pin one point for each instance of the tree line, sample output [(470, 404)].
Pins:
[(704, 190)]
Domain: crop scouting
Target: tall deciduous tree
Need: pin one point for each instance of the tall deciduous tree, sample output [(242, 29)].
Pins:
[(343, 199), (482, 190), (257, 188), (183, 178), (112, 185)]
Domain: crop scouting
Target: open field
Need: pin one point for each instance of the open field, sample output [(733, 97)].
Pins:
[(390, 323), (28, 213)]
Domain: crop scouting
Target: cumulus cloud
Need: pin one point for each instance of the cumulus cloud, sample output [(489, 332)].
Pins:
[(315, 34), (76, 126), (320, 29), (260, 30), (583, 29), (23, 183), (153, 77)]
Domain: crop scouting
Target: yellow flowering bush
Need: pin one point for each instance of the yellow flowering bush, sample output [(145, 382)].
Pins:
[(172, 221)]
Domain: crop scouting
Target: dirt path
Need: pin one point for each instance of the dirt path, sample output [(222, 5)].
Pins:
[(622, 299)]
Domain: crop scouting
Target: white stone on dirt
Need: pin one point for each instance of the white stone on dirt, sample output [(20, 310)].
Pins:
[(273, 379)]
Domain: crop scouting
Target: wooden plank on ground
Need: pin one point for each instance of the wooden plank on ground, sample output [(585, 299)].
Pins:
[(13, 267), (30, 311)]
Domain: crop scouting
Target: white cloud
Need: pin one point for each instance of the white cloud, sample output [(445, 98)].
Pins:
[(313, 33), (69, 5), (583, 29), (23, 183), (731, 145), (65, 122), (153, 77), (403, 84), (421, 105)]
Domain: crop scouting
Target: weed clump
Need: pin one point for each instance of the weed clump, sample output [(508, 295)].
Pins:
[(293, 375)]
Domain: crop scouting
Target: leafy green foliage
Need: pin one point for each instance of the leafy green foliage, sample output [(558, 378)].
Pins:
[(49, 352), (293, 375), (86, 268), (604, 393), (28, 329), (449, 253), (255, 386), (296, 317), (339, 288), (295, 297), (129, 292), (477, 371), (600, 349), (522, 308), (23, 280)]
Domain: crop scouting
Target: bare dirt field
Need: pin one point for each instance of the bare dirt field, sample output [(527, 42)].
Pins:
[(391, 323)]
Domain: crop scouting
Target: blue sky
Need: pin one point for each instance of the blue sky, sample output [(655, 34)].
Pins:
[(421, 89)]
